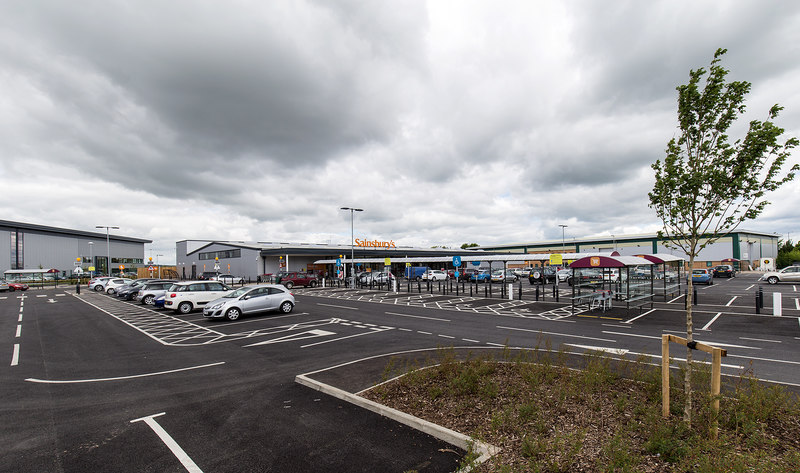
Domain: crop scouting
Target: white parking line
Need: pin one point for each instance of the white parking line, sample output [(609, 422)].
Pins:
[(15, 355), (759, 340), (424, 333), (19, 331), (342, 338), (495, 344), (639, 316), (417, 316), (144, 375), (20, 318), (731, 301), (338, 306), (176, 449), (716, 344), (444, 336), (797, 303), (673, 300), (470, 340), (749, 287), (556, 333), (711, 321)]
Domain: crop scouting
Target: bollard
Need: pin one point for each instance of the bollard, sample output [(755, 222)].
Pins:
[(537, 293), (520, 289), (555, 289), (78, 288), (511, 292), (694, 296), (758, 307), (485, 291), (761, 296), (470, 290)]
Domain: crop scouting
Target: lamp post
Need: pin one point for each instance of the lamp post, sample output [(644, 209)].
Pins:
[(562, 237), (352, 250), (108, 247), (158, 266), (91, 259)]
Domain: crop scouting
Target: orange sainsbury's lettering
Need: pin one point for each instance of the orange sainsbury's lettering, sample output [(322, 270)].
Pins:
[(375, 244)]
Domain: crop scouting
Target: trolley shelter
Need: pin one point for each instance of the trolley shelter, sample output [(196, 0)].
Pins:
[(601, 281), (667, 273)]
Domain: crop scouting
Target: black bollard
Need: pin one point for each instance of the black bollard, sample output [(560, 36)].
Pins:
[(694, 295), (485, 291), (761, 296), (520, 289), (758, 307), (537, 293), (78, 287)]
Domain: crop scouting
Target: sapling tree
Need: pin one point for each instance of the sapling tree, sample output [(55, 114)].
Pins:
[(706, 186)]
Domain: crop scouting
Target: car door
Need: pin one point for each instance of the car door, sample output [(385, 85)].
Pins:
[(791, 274), (254, 301)]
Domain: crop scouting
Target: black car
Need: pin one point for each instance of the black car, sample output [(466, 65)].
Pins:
[(724, 271), (543, 275)]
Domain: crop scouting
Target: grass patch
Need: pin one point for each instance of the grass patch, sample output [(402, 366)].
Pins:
[(603, 417)]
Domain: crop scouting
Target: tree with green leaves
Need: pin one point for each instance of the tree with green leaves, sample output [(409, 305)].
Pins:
[(706, 186), (469, 245)]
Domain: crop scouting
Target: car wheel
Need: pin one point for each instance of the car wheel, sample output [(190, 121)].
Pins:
[(288, 284), (148, 300), (98, 288), (185, 307), (110, 291), (286, 307), (232, 314), (312, 284), (772, 280), (11, 289)]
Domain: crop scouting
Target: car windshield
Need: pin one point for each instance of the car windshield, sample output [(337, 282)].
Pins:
[(237, 293), (699, 272)]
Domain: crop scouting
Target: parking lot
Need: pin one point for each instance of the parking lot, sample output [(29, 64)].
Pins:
[(95, 382)]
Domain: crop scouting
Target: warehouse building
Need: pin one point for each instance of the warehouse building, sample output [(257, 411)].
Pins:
[(31, 246)]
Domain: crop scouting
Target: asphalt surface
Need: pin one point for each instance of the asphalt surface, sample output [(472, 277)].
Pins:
[(220, 396)]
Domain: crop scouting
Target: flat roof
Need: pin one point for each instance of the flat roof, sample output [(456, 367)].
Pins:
[(7, 224)]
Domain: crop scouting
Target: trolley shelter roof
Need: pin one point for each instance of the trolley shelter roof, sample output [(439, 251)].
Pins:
[(507, 258), (610, 262), (661, 259)]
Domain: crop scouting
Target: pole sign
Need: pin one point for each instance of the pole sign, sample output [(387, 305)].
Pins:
[(338, 261), (556, 259), (387, 262), (456, 261), (476, 263)]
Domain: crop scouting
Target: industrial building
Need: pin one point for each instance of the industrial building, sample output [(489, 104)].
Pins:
[(31, 246)]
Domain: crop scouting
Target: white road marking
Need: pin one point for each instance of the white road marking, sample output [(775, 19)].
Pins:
[(765, 359), (716, 344), (444, 336), (41, 295), (342, 338), (176, 449), (405, 329), (51, 300), (20, 318), (705, 327), (337, 306), (639, 316), (617, 326), (615, 351), (470, 340), (495, 344), (15, 355), (424, 333), (158, 373), (760, 340), (19, 331), (749, 287), (20, 308), (797, 303), (556, 333), (296, 336), (418, 316), (731, 301), (673, 300)]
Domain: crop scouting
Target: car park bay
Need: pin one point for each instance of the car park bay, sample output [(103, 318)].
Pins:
[(90, 364)]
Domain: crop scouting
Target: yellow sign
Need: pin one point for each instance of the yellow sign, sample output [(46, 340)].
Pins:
[(408, 265), (91, 268), (556, 259), (387, 262)]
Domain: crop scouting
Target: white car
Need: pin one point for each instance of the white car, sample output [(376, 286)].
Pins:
[(113, 283), (184, 297), (228, 279), (787, 274), (99, 283), (435, 275)]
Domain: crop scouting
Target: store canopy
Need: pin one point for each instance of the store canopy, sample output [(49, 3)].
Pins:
[(660, 259), (609, 262), (508, 258)]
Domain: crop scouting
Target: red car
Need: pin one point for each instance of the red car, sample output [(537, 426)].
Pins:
[(16, 286), (290, 280)]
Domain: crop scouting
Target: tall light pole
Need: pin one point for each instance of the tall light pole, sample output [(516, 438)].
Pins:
[(108, 247), (91, 259), (562, 237), (352, 250)]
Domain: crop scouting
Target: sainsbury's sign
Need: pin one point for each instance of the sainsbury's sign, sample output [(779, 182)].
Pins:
[(375, 244)]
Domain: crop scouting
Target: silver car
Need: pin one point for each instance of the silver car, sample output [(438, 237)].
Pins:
[(152, 290), (249, 300)]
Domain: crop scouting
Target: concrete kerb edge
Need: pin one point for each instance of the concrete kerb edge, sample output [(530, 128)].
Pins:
[(452, 437)]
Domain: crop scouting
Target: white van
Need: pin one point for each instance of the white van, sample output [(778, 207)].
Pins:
[(184, 297)]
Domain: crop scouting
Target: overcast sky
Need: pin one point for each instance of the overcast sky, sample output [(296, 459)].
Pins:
[(447, 122)]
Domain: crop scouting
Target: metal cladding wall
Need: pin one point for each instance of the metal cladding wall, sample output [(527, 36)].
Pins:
[(5, 250), (55, 251), (246, 265)]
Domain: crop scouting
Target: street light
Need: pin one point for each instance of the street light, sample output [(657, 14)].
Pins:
[(108, 247), (352, 250), (91, 259), (562, 236)]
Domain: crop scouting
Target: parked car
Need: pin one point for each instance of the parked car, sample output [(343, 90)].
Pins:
[(522, 272), (17, 286), (228, 279), (465, 275), (4, 286), (129, 291), (724, 270), (99, 283), (382, 278), (184, 297), (159, 301), (250, 300), (787, 274), (704, 276), (115, 283), (588, 276), (482, 275), (152, 290), (542, 275), (299, 279), (435, 275), (415, 272), (499, 275)]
